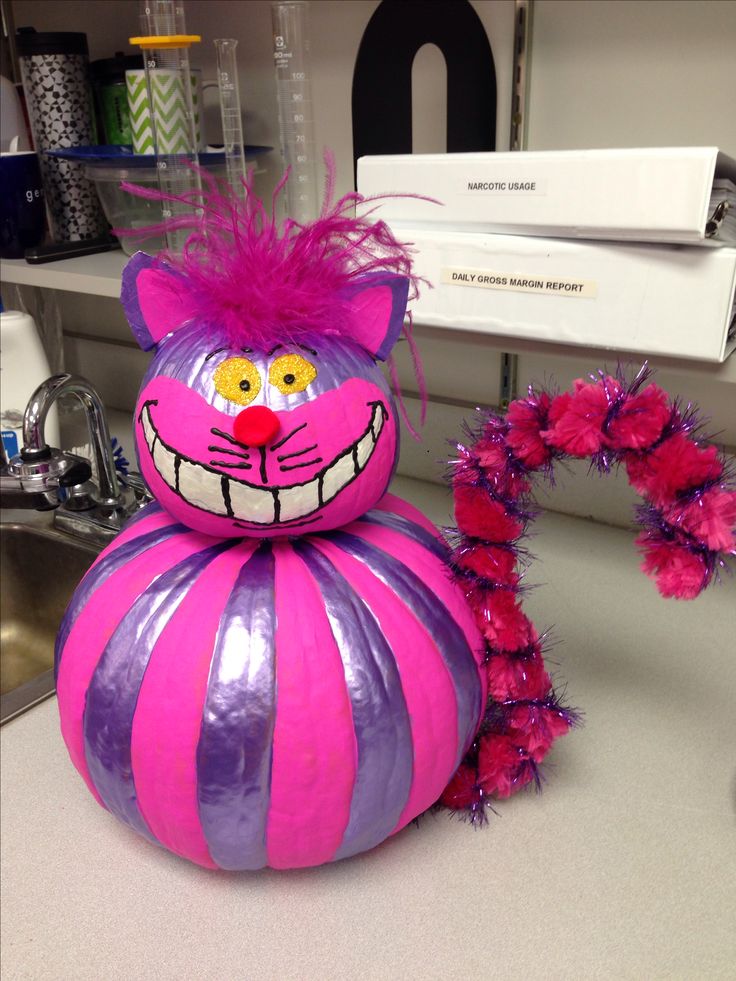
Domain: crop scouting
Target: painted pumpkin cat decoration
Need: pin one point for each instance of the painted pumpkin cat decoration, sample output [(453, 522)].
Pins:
[(270, 665), (278, 662), (237, 437)]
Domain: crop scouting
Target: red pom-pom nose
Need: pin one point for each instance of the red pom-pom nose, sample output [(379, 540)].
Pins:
[(256, 425)]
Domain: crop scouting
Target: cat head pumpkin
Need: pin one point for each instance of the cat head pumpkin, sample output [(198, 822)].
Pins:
[(264, 411)]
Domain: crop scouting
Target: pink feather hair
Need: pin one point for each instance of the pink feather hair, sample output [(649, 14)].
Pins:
[(263, 281)]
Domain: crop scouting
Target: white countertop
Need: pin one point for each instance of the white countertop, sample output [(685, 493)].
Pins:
[(622, 868)]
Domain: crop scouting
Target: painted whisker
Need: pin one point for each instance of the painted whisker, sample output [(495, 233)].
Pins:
[(231, 466), (306, 463), (228, 437), (281, 442), (288, 456), (222, 449)]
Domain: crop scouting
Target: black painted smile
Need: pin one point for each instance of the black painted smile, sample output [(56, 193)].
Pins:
[(210, 490)]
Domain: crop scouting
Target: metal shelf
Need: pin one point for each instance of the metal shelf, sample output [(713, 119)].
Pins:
[(95, 275)]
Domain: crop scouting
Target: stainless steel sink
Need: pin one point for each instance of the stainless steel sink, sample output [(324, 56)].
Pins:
[(40, 569)]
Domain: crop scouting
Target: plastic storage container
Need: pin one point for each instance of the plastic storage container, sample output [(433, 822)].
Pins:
[(125, 211)]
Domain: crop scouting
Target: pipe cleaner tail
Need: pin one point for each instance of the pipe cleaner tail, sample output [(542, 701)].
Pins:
[(688, 533), (524, 714)]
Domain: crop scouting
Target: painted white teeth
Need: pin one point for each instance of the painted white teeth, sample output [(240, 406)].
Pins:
[(376, 422), (364, 449), (224, 496), (297, 501), (337, 476), (164, 462), (200, 487), (148, 430), (255, 502)]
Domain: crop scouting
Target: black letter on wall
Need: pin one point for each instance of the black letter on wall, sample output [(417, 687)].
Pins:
[(382, 105)]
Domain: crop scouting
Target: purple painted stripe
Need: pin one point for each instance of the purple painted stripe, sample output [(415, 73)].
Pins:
[(396, 522), (443, 629), (380, 717), (113, 692), (234, 752), (106, 566)]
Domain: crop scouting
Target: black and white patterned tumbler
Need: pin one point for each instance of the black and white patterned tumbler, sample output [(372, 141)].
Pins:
[(54, 68)]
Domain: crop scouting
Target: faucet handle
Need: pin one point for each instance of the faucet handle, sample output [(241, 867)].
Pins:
[(39, 479), (81, 493), (135, 482), (37, 454), (77, 473)]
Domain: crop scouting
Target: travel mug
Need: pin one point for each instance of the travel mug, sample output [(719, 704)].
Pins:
[(54, 69), (111, 97)]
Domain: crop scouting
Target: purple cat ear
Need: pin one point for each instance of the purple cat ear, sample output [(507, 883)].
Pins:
[(152, 299), (378, 305)]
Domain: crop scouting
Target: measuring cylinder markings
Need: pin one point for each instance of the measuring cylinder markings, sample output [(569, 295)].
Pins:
[(291, 58)]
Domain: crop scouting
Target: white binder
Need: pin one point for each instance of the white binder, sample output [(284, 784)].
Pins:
[(653, 299), (662, 194)]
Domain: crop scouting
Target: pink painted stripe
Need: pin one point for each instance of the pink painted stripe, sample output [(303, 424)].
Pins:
[(397, 505), (93, 628), (314, 745), (428, 687), (434, 575), (168, 716)]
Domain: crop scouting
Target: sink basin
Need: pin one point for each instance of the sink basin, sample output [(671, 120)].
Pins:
[(40, 569)]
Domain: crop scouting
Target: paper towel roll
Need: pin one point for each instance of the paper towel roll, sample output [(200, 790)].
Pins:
[(23, 366)]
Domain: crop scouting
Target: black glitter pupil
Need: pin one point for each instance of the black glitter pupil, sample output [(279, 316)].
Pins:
[(289, 379), (245, 385)]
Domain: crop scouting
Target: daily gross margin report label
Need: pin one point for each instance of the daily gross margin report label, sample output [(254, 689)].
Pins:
[(487, 279)]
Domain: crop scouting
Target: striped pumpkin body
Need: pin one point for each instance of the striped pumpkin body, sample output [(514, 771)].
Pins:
[(285, 702)]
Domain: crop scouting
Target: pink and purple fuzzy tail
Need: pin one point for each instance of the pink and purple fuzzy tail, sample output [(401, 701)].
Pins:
[(688, 534)]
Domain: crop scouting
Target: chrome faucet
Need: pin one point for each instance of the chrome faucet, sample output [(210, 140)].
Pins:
[(43, 477), (35, 447)]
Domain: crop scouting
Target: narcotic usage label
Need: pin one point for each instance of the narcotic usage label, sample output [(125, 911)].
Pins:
[(515, 186)]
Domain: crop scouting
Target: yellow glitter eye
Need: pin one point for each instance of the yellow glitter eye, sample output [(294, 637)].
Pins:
[(237, 379), (291, 373)]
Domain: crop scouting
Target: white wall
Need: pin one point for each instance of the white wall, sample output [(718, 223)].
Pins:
[(633, 73)]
